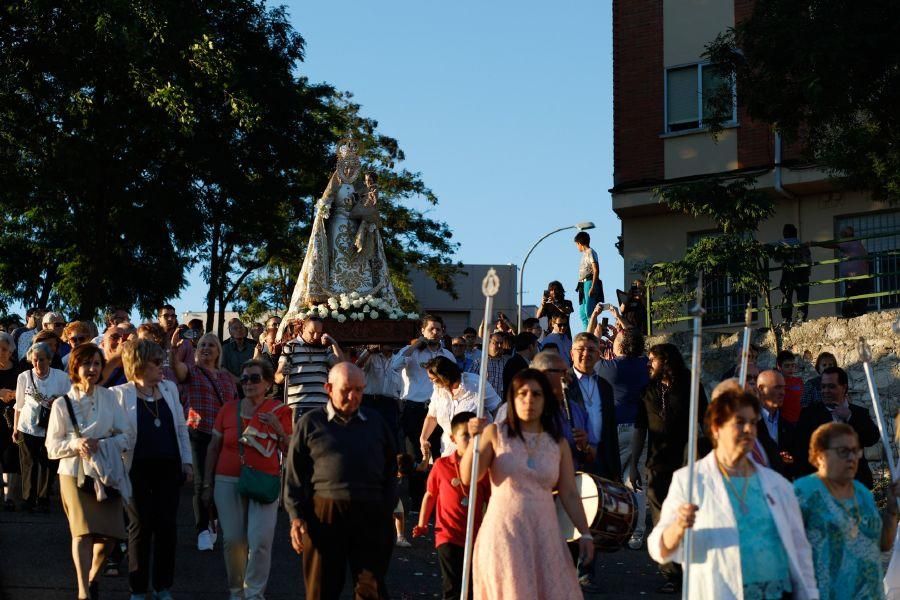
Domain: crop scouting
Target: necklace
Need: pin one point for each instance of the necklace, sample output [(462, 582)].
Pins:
[(531, 444), (742, 497), (854, 520), (154, 413)]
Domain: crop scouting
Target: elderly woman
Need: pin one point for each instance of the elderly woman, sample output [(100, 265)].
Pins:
[(748, 537), (113, 371), (251, 432), (9, 452), (454, 392), (36, 389), (88, 425), (207, 387), (50, 339), (843, 526), (160, 461), (75, 334)]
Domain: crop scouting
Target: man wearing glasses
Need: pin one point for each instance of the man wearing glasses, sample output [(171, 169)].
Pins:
[(835, 407), (559, 335)]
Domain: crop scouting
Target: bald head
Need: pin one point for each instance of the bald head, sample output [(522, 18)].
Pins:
[(770, 385), (345, 387)]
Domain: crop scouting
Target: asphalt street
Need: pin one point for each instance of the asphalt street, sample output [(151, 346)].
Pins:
[(36, 564)]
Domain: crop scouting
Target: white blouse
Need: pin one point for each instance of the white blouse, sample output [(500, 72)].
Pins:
[(99, 416), (446, 404), (55, 384)]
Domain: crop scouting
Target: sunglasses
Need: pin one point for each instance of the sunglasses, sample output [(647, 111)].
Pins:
[(251, 378), (78, 339), (844, 452)]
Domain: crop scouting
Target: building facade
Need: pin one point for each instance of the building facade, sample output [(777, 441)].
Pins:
[(659, 78)]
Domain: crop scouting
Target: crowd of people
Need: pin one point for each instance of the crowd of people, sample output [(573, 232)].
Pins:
[(341, 436)]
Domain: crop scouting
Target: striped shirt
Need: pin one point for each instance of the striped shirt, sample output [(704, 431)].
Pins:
[(305, 383)]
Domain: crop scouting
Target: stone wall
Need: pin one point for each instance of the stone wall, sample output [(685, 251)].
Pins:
[(829, 334)]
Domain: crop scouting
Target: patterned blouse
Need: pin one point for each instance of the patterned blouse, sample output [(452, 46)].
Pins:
[(847, 565)]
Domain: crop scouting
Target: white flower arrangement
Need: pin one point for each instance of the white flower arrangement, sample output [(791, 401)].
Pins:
[(355, 307)]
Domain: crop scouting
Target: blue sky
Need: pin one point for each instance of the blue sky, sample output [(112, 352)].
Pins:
[(504, 107)]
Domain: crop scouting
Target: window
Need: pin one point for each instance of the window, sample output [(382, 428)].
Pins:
[(687, 87), (723, 306), (884, 254)]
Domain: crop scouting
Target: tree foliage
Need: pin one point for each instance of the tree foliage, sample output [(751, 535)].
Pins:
[(737, 208), (826, 74), (138, 138)]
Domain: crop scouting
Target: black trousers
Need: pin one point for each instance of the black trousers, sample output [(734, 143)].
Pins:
[(657, 489), (199, 445), (35, 466), (450, 558), (156, 485), (794, 282), (855, 308), (342, 533), (411, 422)]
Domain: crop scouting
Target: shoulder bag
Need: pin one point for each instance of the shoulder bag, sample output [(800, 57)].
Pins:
[(213, 384), (44, 414), (253, 483), (85, 483)]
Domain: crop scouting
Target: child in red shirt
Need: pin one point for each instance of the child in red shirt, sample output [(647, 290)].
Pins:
[(445, 489), (793, 386)]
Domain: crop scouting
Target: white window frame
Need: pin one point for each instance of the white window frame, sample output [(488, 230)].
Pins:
[(701, 125)]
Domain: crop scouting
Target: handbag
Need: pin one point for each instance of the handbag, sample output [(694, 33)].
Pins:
[(44, 415), (83, 481), (253, 483)]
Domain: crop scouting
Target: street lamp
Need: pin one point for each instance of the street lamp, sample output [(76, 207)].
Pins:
[(579, 226)]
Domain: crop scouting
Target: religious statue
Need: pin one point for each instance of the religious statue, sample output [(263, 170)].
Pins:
[(345, 252)]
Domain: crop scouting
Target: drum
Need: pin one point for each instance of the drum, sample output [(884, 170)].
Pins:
[(610, 509)]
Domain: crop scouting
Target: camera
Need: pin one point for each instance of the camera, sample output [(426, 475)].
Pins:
[(189, 334)]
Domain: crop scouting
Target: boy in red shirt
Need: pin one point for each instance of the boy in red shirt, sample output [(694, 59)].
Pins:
[(793, 386), (445, 490)]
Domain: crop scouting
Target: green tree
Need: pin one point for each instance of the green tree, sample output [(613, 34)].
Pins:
[(737, 208), (826, 74)]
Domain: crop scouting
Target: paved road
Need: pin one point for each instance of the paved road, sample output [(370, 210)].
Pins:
[(36, 564)]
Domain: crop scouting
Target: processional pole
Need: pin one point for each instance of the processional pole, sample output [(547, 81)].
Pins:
[(696, 312), (489, 287), (865, 355), (745, 352)]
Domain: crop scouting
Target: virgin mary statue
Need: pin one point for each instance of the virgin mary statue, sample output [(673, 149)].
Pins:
[(345, 252)]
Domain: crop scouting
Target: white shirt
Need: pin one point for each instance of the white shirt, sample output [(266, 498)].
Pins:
[(716, 569), (416, 385), (446, 404), (53, 386), (381, 380), (99, 416), (590, 391)]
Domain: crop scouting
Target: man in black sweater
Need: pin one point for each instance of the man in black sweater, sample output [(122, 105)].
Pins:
[(341, 490), (835, 407), (526, 348)]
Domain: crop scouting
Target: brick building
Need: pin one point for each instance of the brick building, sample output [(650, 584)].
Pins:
[(659, 79)]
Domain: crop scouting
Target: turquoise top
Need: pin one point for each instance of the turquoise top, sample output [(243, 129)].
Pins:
[(846, 567), (764, 563)]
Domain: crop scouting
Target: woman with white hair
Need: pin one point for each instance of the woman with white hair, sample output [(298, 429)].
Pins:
[(9, 452), (207, 387), (36, 389)]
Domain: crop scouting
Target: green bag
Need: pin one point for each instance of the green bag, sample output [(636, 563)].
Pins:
[(253, 483)]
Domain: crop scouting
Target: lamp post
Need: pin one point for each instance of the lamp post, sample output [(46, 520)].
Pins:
[(579, 226)]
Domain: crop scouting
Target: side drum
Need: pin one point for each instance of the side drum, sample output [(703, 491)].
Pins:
[(610, 509)]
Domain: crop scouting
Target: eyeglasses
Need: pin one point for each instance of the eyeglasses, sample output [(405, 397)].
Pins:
[(561, 325), (844, 452), (58, 325), (251, 378)]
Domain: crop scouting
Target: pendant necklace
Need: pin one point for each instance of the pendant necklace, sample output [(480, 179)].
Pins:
[(854, 520), (742, 497), (147, 399), (457, 482), (531, 444)]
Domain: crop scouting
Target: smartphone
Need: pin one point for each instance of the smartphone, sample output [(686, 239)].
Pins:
[(604, 322)]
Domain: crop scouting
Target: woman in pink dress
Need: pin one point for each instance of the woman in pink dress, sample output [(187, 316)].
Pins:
[(520, 552)]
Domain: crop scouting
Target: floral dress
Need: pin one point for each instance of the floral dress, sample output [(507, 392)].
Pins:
[(845, 537)]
